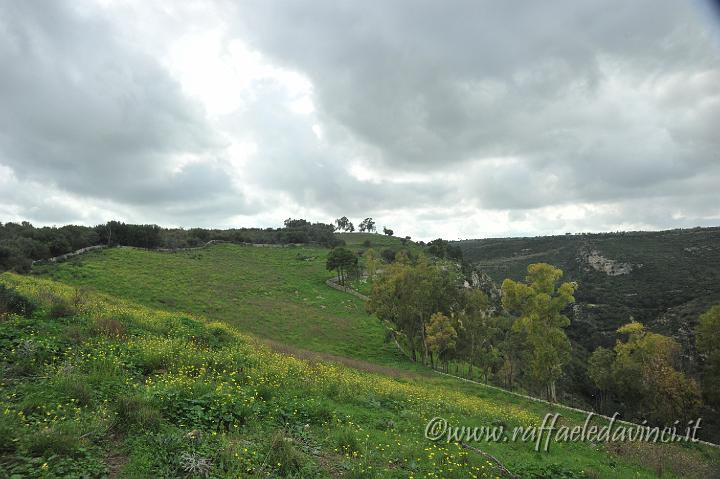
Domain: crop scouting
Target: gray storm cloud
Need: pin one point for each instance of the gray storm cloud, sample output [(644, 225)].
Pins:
[(453, 110)]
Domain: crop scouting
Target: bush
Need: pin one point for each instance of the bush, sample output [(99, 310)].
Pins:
[(319, 412), (549, 471), (75, 334), (388, 255), (76, 388), (213, 336), (347, 442), (135, 411), (110, 327), (284, 455), (61, 308), (149, 361), (57, 440), (13, 302), (9, 428)]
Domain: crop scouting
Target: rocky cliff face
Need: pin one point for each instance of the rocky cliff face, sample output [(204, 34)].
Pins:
[(595, 260), (480, 280)]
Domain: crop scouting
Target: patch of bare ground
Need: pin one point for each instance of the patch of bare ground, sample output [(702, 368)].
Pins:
[(116, 458)]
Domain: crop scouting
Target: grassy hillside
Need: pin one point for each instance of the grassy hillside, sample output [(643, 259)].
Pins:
[(97, 386), (357, 241), (275, 293)]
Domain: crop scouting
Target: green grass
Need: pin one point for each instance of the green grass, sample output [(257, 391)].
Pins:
[(170, 394), (379, 242), (275, 293)]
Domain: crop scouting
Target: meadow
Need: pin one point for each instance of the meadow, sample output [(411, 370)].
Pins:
[(98, 386), (277, 293)]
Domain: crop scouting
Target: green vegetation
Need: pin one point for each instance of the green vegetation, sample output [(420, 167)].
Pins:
[(21, 244), (279, 293), (514, 337), (439, 322), (273, 292), (363, 241), (708, 343), (96, 386), (641, 372), (344, 224), (407, 295), (675, 276), (342, 261), (367, 225), (665, 280), (539, 304)]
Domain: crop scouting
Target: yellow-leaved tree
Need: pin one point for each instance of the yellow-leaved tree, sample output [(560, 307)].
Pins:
[(441, 336), (646, 380)]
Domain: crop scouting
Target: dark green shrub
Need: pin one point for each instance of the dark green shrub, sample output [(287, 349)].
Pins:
[(318, 412), (9, 429), (150, 361), (77, 388), (110, 327), (61, 307), (388, 255), (549, 471), (284, 456), (62, 440), (347, 441), (135, 411), (75, 334), (212, 336), (13, 302), (265, 392)]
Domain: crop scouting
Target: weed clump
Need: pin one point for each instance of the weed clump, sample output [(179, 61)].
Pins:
[(110, 327), (62, 439), (61, 308), (135, 411), (347, 442), (284, 456), (12, 302), (75, 388)]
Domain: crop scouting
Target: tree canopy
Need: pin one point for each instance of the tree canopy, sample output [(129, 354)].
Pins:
[(344, 224), (342, 261), (708, 344), (538, 304), (367, 225)]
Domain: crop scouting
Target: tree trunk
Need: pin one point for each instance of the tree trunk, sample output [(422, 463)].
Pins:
[(425, 348)]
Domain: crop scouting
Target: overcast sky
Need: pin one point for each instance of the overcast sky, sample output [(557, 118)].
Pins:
[(458, 119)]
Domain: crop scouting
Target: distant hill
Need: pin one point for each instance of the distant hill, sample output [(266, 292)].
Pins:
[(664, 279)]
